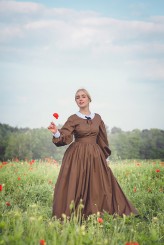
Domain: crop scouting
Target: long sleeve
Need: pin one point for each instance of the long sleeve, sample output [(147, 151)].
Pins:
[(66, 134), (102, 140)]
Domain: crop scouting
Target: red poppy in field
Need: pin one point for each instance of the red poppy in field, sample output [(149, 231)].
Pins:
[(16, 159), (31, 162), (56, 115), (135, 189), (19, 178), (8, 204), (157, 170), (4, 163), (1, 187), (100, 220), (42, 242), (132, 243)]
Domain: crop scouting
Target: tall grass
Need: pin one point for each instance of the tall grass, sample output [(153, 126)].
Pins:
[(26, 205)]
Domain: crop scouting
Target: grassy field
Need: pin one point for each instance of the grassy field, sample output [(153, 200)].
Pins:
[(26, 192)]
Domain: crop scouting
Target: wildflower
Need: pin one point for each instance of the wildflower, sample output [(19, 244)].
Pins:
[(81, 206), (56, 115), (72, 205), (4, 163), (83, 228), (31, 162), (19, 178), (1, 187), (100, 220), (155, 219), (42, 242), (106, 241), (8, 204), (33, 205), (32, 218), (135, 189), (157, 170), (64, 216)]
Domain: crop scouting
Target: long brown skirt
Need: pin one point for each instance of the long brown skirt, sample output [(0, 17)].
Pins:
[(85, 175)]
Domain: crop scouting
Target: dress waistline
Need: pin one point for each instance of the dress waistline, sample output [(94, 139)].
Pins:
[(88, 140)]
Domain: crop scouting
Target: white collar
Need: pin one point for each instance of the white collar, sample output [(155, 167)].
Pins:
[(79, 114)]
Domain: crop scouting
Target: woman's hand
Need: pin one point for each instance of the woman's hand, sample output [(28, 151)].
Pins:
[(52, 127)]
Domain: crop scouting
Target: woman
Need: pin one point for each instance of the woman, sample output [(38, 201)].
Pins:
[(84, 173)]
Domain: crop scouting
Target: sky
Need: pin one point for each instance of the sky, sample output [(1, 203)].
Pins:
[(112, 48)]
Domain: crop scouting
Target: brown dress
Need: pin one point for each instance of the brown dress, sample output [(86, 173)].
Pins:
[(84, 173)]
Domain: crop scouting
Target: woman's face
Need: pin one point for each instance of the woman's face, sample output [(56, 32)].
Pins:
[(82, 99)]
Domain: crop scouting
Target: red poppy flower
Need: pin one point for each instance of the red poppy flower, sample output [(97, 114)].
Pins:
[(42, 242), (31, 162), (100, 220), (135, 189), (4, 163), (8, 204), (56, 115), (19, 178), (1, 187), (157, 170)]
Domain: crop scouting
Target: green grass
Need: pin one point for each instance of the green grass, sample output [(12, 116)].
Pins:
[(26, 206)]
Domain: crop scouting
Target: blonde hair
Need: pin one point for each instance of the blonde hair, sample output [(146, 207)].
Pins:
[(85, 91)]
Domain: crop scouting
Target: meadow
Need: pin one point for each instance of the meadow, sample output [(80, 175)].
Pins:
[(26, 194)]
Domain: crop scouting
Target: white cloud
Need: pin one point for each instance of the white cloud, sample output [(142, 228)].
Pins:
[(99, 28), (7, 34), (157, 19), (12, 7), (48, 48)]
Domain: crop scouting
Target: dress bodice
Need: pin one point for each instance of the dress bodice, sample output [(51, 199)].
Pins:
[(77, 129)]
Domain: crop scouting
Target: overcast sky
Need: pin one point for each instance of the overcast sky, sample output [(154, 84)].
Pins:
[(113, 48)]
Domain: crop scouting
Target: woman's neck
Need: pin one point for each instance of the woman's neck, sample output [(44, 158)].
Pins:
[(85, 111)]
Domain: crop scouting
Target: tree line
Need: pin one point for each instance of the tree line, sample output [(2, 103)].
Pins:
[(26, 143)]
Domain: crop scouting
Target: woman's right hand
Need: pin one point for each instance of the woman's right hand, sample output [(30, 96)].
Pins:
[(52, 127)]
